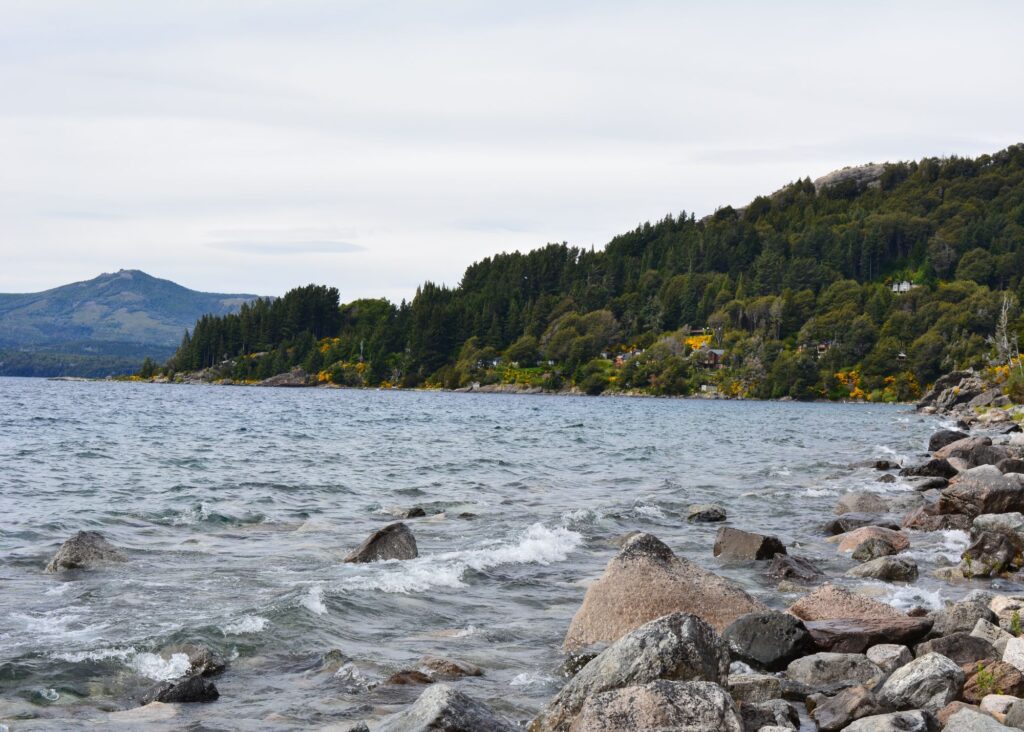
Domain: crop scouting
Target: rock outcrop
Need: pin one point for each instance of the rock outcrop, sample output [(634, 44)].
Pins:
[(84, 550)]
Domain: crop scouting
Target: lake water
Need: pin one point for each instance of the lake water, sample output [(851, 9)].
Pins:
[(237, 505)]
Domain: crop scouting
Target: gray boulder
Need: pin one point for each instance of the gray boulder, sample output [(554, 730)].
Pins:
[(961, 648), (853, 520), (394, 541), (794, 569), (845, 707), (826, 669), (442, 708), (968, 720), (676, 647), (705, 513), (1015, 715), (982, 490), (889, 656), (873, 549), (188, 690), (915, 721), (1004, 523), (991, 554), (944, 437), (754, 688), (772, 713), (962, 616), (929, 682), (659, 705), (934, 468), (203, 660), (886, 569), (84, 550), (769, 640), (732, 543), (861, 502)]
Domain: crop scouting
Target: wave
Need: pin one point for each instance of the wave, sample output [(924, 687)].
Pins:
[(245, 625), (537, 545), (313, 600)]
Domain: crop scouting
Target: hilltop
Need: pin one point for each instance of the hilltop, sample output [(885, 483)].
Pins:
[(100, 326)]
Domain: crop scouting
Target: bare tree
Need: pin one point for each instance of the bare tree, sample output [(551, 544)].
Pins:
[(1001, 340)]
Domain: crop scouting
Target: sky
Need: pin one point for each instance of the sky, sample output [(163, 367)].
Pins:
[(254, 147)]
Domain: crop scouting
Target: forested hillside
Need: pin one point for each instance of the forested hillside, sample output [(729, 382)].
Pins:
[(867, 283)]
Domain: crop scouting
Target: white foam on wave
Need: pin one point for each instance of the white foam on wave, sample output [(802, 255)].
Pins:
[(897, 457), (101, 654), (532, 679), (155, 667), (904, 597), (245, 625), (948, 545), (649, 511), (313, 600), (537, 545), (55, 622), (818, 492)]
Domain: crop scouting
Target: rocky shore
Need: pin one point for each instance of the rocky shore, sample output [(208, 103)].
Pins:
[(660, 642)]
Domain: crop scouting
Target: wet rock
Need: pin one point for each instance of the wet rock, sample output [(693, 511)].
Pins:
[(449, 668), (705, 513), (774, 713), (1010, 465), (191, 689), (394, 541), (861, 502), (414, 512), (851, 521), (991, 676), (732, 543), (944, 437), (886, 569), (915, 721), (927, 484), (442, 708), (768, 640), (887, 478), (830, 602), (84, 550), (857, 635), (992, 554), (851, 541), (961, 648), (963, 448), (982, 490), (793, 569), (873, 548), (889, 656), (676, 647), (203, 660), (968, 720), (754, 688), (927, 518), (963, 615), (408, 677), (825, 669), (993, 634), (646, 581), (1005, 523), (929, 682), (693, 705), (1008, 611), (845, 707), (147, 714), (934, 468)]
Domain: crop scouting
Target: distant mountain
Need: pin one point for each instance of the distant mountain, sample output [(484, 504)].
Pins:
[(101, 326)]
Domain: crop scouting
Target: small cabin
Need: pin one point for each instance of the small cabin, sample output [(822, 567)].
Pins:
[(902, 287)]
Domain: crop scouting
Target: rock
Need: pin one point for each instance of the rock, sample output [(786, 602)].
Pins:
[(848, 705), (408, 677), (294, 378), (1015, 715), (889, 656), (944, 437), (851, 541), (886, 569), (861, 502), (885, 465), (934, 468), (152, 712), (992, 554), (659, 705), (961, 648), (926, 484), (997, 704), (857, 635), (732, 543), (1008, 610), (993, 634), (754, 688), (963, 448), (203, 660), (794, 569), (442, 708), (850, 521), (1013, 654), (929, 682), (991, 676), (768, 640), (943, 715), (887, 478), (967, 720), (982, 490), (927, 518), (830, 602), (963, 615), (676, 647), (646, 581), (414, 512), (84, 550), (915, 721), (1004, 523), (1010, 465), (874, 548), (944, 382), (825, 669), (856, 177), (190, 689), (394, 541), (705, 513), (774, 713), (449, 668)]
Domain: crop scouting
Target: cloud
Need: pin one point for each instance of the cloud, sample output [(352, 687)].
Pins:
[(286, 248)]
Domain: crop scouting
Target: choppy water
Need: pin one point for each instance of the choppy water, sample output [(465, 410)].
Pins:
[(237, 505)]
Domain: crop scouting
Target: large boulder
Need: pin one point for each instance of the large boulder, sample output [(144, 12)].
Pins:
[(915, 721), (828, 669), (982, 490), (934, 468), (1015, 715), (945, 382), (704, 513), (852, 541), (928, 518), (733, 543), (889, 656), (1005, 523), (754, 688), (676, 647), (774, 713), (768, 640), (84, 550), (991, 554), (394, 541), (856, 635), (968, 720), (794, 569), (887, 569), (963, 448), (961, 648), (853, 520), (441, 708), (993, 634), (861, 502), (646, 580), (944, 437), (830, 602), (929, 682), (985, 677), (963, 615), (185, 691), (662, 705), (845, 707)]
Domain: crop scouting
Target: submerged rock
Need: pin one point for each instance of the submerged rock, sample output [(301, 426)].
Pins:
[(191, 689), (203, 660), (861, 502), (646, 580), (689, 705), (449, 667), (394, 541), (794, 569), (442, 708), (733, 543), (705, 513), (83, 550)]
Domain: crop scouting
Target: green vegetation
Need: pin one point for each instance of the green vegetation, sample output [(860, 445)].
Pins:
[(867, 288)]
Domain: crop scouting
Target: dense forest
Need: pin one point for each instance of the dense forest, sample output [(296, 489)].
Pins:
[(868, 284)]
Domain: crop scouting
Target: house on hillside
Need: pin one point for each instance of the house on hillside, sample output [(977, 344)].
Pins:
[(902, 287), (709, 358)]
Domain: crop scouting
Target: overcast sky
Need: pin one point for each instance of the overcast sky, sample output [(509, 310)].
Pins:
[(256, 146)]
